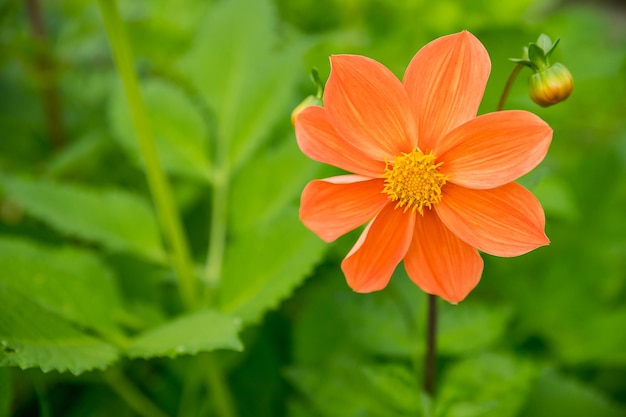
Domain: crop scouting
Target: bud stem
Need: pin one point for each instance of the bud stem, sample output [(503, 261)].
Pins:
[(508, 85)]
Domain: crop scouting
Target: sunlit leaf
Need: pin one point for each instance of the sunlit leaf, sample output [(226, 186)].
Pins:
[(178, 130), (262, 267), (31, 336), (202, 331), (117, 219), (72, 283)]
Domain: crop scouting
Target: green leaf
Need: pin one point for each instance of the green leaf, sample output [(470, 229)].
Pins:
[(489, 385), (470, 326), (382, 323), (269, 100), (179, 131), (558, 395), (117, 219), (201, 331), (271, 252), (31, 336), (263, 266), (72, 283), (234, 64), (347, 387), (262, 189), (545, 43)]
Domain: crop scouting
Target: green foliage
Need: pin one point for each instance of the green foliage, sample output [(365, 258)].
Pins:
[(117, 219), (6, 391), (557, 395), (72, 283), (86, 279), (180, 133), (32, 336), (485, 385), (263, 219), (201, 331), (357, 388)]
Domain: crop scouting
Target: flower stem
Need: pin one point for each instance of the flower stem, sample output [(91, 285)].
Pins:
[(48, 75), (431, 346), (508, 85), (220, 392), (159, 186), (132, 395), (219, 217)]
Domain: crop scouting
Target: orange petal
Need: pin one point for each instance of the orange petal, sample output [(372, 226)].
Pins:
[(334, 206), (439, 262), (318, 140), (368, 107), (445, 82), (504, 221), (494, 149), (381, 247)]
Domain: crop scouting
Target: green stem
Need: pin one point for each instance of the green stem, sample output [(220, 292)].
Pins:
[(132, 395), (45, 67), (508, 85), (159, 186), (217, 237), (431, 346), (220, 392), (45, 408)]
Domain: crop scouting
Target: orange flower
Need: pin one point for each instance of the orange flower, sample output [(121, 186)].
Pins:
[(435, 180)]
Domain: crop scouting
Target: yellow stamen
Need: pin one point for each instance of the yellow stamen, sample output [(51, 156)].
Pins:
[(414, 181)]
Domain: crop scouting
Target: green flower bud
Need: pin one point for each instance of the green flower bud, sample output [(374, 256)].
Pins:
[(551, 85)]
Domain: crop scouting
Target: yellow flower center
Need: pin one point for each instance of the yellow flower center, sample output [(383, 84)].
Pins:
[(414, 181)]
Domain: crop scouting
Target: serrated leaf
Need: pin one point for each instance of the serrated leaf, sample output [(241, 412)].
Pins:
[(263, 266), (489, 385), (72, 283), (558, 395), (201, 331), (31, 336), (117, 219), (180, 134)]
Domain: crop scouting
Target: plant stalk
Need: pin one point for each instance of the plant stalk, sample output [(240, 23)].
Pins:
[(431, 346), (508, 85), (128, 392), (159, 186), (45, 68), (220, 391)]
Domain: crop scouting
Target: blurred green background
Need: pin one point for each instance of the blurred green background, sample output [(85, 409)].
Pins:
[(90, 318)]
